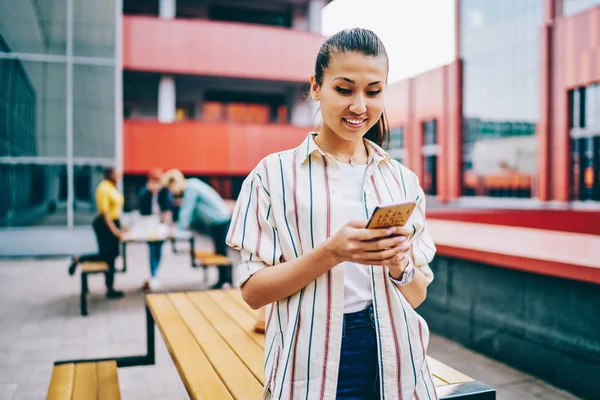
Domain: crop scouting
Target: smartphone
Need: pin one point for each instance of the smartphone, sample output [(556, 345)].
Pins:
[(393, 215)]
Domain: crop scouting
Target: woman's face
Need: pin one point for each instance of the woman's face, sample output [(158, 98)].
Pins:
[(351, 95)]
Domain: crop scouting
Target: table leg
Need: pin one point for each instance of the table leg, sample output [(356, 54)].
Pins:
[(193, 251), (124, 255)]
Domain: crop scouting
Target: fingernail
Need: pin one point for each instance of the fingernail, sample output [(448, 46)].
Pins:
[(402, 239), (389, 231)]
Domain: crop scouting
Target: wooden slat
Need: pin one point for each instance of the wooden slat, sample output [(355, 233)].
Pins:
[(242, 384), (236, 294), (61, 383), (215, 260), (203, 253), (240, 342), (238, 314), (445, 373), (94, 266), (198, 376), (108, 381), (86, 381)]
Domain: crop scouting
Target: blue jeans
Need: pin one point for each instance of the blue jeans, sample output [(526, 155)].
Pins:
[(155, 255), (358, 377)]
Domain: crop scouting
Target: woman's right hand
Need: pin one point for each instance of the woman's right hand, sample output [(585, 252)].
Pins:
[(120, 235), (355, 243)]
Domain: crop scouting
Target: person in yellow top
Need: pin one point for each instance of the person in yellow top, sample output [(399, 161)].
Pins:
[(107, 227)]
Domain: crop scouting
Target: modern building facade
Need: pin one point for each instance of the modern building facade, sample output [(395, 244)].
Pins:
[(208, 87), (516, 115), (507, 137), (60, 116)]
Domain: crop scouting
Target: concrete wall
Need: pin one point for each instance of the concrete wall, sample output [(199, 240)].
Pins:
[(542, 325)]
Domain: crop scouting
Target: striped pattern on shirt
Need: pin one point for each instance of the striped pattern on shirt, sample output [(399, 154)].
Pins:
[(289, 204)]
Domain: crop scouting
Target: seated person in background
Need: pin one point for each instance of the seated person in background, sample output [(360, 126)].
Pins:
[(155, 201), (203, 210)]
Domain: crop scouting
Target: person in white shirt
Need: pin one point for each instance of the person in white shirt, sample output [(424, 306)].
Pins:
[(340, 298)]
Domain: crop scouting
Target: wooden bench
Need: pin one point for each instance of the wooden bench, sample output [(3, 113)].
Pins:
[(85, 381), (207, 258), (87, 268), (212, 340)]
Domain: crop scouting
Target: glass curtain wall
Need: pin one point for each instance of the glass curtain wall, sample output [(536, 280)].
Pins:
[(59, 125), (500, 47)]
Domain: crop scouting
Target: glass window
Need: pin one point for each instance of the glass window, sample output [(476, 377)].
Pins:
[(93, 111), (575, 6), (94, 28), (500, 51), (430, 152), (35, 194), (584, 123), (396, 146), (34, 26), (32, 109)]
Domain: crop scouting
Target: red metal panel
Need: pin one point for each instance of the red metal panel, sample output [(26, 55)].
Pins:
[(397, 102), (454, 164), (435, 94), (211, 48), (204, 148), (587, 222)]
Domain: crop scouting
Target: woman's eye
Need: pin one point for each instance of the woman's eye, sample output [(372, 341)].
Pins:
[(374, 93), (342, 90)]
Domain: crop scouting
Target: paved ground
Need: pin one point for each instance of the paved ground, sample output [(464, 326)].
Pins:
[(40, 323)]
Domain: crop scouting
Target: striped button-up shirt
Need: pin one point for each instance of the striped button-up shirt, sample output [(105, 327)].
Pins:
[(289, 204)]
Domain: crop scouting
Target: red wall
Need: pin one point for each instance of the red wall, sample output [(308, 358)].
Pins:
[(435, 94), (204, 148), (211, 48)]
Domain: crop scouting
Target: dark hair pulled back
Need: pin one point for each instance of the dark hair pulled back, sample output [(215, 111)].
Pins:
[(363, 41)]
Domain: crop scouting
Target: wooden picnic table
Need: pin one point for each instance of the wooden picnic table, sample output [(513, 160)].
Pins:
[(211, 339), (133, 237)]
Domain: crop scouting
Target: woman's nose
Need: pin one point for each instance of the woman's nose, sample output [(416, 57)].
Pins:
[(359, 105)]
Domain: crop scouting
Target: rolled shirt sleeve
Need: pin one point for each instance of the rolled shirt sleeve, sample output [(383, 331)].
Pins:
[(253, 230)]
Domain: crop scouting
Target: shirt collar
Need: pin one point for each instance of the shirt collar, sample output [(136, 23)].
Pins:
[(375, 153)]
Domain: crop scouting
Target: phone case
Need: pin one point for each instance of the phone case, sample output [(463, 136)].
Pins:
[(394, 215)]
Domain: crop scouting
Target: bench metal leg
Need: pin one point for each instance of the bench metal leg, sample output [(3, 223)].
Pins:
[(131, 361), (84, 292)]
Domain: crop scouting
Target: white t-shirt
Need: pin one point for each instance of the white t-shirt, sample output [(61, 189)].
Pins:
[(357, 280)]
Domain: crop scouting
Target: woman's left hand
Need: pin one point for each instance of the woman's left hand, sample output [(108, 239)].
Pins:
[(400, 261)]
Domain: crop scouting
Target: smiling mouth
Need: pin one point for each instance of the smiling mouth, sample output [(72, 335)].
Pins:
[(354, 121)]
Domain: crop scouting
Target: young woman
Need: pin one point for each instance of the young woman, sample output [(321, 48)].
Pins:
[(340, 319), (107, 227)]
